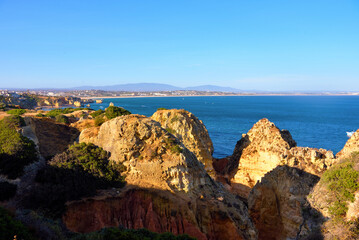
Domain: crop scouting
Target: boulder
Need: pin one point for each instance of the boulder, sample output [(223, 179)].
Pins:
[(190, 131)]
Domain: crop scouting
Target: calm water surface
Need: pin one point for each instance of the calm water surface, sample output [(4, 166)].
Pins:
[(313, 121)]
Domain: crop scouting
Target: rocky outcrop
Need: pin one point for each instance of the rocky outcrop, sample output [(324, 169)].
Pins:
[(190, 131), (352, 145), (51, 137), (265, 147), (169, 175), (278, 205)]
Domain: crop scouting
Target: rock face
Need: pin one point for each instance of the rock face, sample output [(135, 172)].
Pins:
[(51, 137), (265, 147), (190, 131), (352, 145), (278, 204), (174, 192)]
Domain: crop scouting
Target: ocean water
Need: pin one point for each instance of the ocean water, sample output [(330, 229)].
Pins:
[(313, 121)]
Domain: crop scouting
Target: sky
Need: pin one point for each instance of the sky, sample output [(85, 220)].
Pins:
[(262, 45)]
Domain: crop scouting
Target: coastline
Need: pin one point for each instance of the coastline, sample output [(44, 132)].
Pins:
[(229, 95)]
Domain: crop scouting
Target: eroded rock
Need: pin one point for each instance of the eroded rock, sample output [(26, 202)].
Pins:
[(190, 131), (278, 205), (159, 163)]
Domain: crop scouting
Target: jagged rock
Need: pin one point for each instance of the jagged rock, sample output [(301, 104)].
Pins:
[(190, 131), (352, 145), (278, 205), (51, 137), (265, 147), (172, 176)]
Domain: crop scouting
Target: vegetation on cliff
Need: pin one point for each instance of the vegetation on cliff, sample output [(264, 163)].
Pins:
[(16, 151), (59, 111), (342, 181), (76, 173), (9, 227), (16, 112), (112, 112), (62, 119)]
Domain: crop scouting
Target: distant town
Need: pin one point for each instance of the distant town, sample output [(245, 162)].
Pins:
[(80, 98)]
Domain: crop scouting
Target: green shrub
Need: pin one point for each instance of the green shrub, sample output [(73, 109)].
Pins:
[(90, 159), (2, 106), (161, 108), (40, 115), (130, 234), (71, 175), (342, 181), (97, 113), (112, 112), (99, 120), (16, 151), (170, 130), (9, 227), (59, 111), (62, 119), (7, 191), (14, 121), (16, 112)]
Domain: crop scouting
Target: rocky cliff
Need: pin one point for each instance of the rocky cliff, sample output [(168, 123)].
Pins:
[(190, 131), (173, 189), (265, 147), (278, 205), (51, 137), (352, 145)]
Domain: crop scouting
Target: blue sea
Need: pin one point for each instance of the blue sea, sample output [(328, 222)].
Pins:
[(313, 121)]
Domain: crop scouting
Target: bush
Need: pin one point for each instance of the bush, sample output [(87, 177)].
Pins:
[(40, 115), (59, 111), (16, 151), (7, 191), (161, 108), (129, 234), (99, 120), (112, 112), (76, 173), (2, 106), (62, 119), (97, 113), (16, 112), (9, 227), (342, 181)]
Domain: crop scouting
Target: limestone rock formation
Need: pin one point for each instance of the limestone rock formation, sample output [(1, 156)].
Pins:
[(352, 145), (278, 205), (51, 137), (173, 191), (265, 147), (190, 131)]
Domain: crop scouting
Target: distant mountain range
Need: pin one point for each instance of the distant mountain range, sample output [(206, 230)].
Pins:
[(150, 87)]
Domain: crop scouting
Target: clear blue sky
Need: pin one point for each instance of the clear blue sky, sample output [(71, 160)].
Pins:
[(247, 44)]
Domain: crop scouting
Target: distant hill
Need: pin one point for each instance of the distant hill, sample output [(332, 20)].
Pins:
[(150, 87), (213, 88)]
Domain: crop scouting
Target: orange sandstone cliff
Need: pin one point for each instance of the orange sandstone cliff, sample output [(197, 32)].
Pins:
[(168, 188)]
